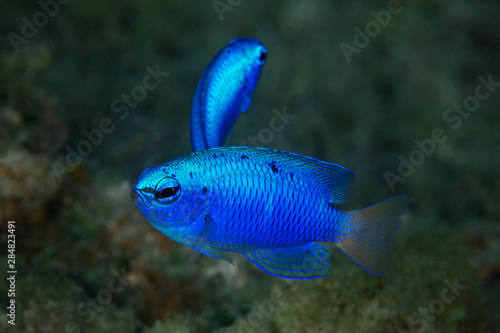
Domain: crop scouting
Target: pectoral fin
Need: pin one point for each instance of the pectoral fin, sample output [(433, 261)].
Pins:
[(201, 246), (216, 253), (208, 229), (245, 103)]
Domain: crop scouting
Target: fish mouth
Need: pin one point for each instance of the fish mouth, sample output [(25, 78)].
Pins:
[(139, 199)]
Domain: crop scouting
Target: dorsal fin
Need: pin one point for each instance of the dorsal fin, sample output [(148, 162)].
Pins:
[(335, 180)]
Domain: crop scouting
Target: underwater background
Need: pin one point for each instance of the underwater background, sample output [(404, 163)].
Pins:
[(406, 94)]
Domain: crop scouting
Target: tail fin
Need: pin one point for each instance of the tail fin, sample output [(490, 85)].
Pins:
[(370, 231)]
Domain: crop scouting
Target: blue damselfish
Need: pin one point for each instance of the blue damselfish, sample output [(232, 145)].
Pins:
[(273, 207), (224, 91)]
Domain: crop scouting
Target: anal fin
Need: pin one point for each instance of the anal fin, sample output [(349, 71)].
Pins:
[(301, 262)]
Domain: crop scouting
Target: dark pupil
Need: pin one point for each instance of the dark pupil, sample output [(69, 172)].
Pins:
[(167, 192), (262, 56)]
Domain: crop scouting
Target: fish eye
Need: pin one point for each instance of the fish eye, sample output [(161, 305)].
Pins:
[(263, 56), (167, 190)]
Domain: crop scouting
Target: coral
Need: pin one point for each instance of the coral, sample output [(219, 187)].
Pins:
[(27, 186), (179, 324), (54, 303)]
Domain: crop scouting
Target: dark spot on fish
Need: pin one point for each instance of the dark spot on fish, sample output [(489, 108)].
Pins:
[(221, 154), (191, 175), (291, 175), (215, 156), (274, 167), (244, 157), (173, 175), (204, 190)]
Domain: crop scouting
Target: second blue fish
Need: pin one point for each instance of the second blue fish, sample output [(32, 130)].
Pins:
[(224, 91)]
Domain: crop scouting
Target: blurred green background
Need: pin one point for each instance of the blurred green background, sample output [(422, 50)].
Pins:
[(87, 260)]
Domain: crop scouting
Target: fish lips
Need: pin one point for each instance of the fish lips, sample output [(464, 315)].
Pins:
[(139, 199)]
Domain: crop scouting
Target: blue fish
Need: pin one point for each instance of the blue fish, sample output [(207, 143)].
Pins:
[(278, 209), (224, 91)]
